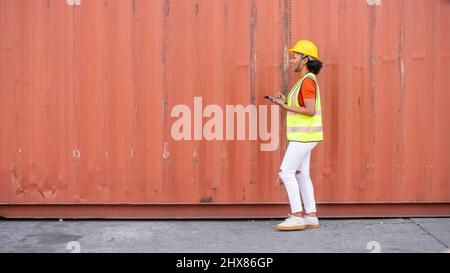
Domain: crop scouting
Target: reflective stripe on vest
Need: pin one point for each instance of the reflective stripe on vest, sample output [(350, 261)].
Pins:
[(317, 112), (301, 127), (305, 129)]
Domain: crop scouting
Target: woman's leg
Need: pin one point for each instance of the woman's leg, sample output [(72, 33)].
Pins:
[(304, 181), (293, 158)]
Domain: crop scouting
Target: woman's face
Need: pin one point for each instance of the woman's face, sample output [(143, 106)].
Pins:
[(296, 59)]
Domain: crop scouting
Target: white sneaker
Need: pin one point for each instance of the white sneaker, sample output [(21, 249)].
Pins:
[(311, 222), (292, 223)]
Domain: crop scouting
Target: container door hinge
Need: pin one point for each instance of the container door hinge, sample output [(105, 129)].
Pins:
[(374, 2)]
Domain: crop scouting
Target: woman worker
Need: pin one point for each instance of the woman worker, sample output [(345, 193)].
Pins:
[(304, 132)]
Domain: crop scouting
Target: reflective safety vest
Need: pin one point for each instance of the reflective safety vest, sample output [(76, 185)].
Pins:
[(300, 127)]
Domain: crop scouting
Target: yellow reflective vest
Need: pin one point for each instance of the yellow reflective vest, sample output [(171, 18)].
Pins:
[(300, 127)]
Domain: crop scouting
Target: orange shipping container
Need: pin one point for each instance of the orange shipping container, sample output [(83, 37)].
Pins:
[(88, 88)]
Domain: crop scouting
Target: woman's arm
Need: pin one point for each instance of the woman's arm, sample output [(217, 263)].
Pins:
[(308, 110)]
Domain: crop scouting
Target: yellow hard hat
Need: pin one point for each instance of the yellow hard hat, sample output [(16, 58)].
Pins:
[(306, 47)]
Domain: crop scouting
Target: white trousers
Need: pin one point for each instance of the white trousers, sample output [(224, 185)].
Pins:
[(294, 172)]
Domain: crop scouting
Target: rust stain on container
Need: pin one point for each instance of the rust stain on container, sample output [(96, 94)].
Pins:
[(86, 93)]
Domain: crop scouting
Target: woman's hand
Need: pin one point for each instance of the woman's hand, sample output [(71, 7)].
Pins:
[(281, 103), (279, 95), (281, 99)]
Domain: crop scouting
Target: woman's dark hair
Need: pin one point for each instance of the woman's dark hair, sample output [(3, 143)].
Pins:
[(314, 65)]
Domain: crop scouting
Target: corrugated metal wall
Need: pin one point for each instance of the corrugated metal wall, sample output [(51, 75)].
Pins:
[(86, 94)]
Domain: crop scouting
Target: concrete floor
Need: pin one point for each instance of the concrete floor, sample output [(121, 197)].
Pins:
[(212, 236)]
